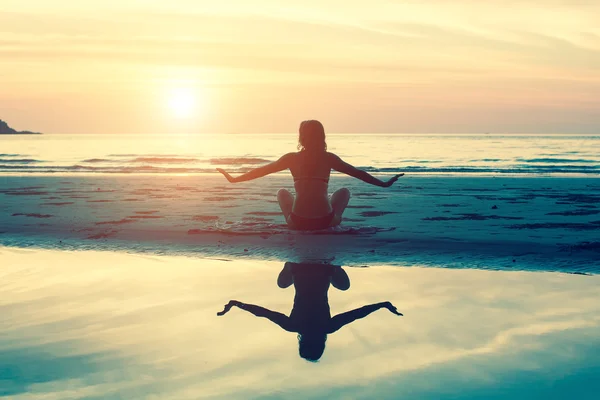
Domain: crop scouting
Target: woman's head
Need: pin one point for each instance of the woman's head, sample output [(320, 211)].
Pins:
[(311, 346), (311, 136)]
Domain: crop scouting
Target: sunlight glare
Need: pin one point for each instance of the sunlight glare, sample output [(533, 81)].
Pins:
[(182, 102)]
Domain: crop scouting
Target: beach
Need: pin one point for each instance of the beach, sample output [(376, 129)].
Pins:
[(114, 266), (522, 223), (299, 200)]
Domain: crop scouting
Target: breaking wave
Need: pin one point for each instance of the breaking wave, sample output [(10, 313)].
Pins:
[(237, 161), (27, 167)]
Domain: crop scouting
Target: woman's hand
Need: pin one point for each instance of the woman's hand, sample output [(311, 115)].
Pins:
[(230, 178), (392, 308), (392, 180), (228, 307)]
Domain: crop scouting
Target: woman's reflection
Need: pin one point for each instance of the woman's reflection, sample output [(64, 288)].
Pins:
[(310, 317)]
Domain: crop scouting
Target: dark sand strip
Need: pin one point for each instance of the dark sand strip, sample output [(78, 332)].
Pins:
[(103, 235), (264, 213), (219, 198), (24, 193), (205, 218), (119, 222), (575, 213), (470, 217), (557, 225), (33, 215), (376, 213)]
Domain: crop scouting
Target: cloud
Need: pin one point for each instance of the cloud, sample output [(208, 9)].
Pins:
[(501, 51)]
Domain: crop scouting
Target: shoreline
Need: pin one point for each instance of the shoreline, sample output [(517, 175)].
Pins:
[(417, 155), (334, 175), (476, 134), (21, 133), (245, 252)]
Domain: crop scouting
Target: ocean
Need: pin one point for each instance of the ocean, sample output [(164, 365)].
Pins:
[(485, 154)]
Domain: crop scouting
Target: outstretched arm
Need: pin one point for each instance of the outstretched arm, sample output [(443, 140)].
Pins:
[(345, 318), (278, 318), (341, 166), (270, 168)]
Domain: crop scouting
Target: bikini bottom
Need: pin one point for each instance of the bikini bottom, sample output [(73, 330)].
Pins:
[(311, 224)]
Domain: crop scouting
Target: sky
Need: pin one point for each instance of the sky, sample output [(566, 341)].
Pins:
[(196, 66)]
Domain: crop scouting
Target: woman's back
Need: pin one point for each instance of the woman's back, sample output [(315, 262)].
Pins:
[(311, 171)]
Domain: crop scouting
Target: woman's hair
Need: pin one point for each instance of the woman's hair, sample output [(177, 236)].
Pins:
[(311, 346), (311, 136)]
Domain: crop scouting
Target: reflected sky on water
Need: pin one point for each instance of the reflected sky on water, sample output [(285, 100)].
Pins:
[(110, 325)]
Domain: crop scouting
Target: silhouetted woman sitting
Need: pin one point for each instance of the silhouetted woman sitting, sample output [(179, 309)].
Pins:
[(311, 166)]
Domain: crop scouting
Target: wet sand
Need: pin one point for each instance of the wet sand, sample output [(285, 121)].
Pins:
[(90, 325), (526, 223)]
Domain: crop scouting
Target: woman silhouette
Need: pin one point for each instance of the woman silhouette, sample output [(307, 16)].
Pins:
[(311, 166), (310, 317)]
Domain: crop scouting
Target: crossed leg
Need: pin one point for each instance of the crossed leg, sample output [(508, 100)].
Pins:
[(286, 203), (339, 201)]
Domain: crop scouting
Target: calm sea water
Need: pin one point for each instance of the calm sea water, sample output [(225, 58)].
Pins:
[(380, 153)]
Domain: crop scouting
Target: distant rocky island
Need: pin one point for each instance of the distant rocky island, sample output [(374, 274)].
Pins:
[(7, 130)]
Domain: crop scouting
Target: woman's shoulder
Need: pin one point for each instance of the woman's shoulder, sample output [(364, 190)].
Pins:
[(289, 156), (331, 156)]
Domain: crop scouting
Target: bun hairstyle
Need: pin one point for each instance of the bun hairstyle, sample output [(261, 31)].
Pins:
[(311, 136)]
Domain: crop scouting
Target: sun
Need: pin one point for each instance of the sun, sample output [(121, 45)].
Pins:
[(183, 102)]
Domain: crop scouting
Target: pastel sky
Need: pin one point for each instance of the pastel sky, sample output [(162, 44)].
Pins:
[(147, 66)]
